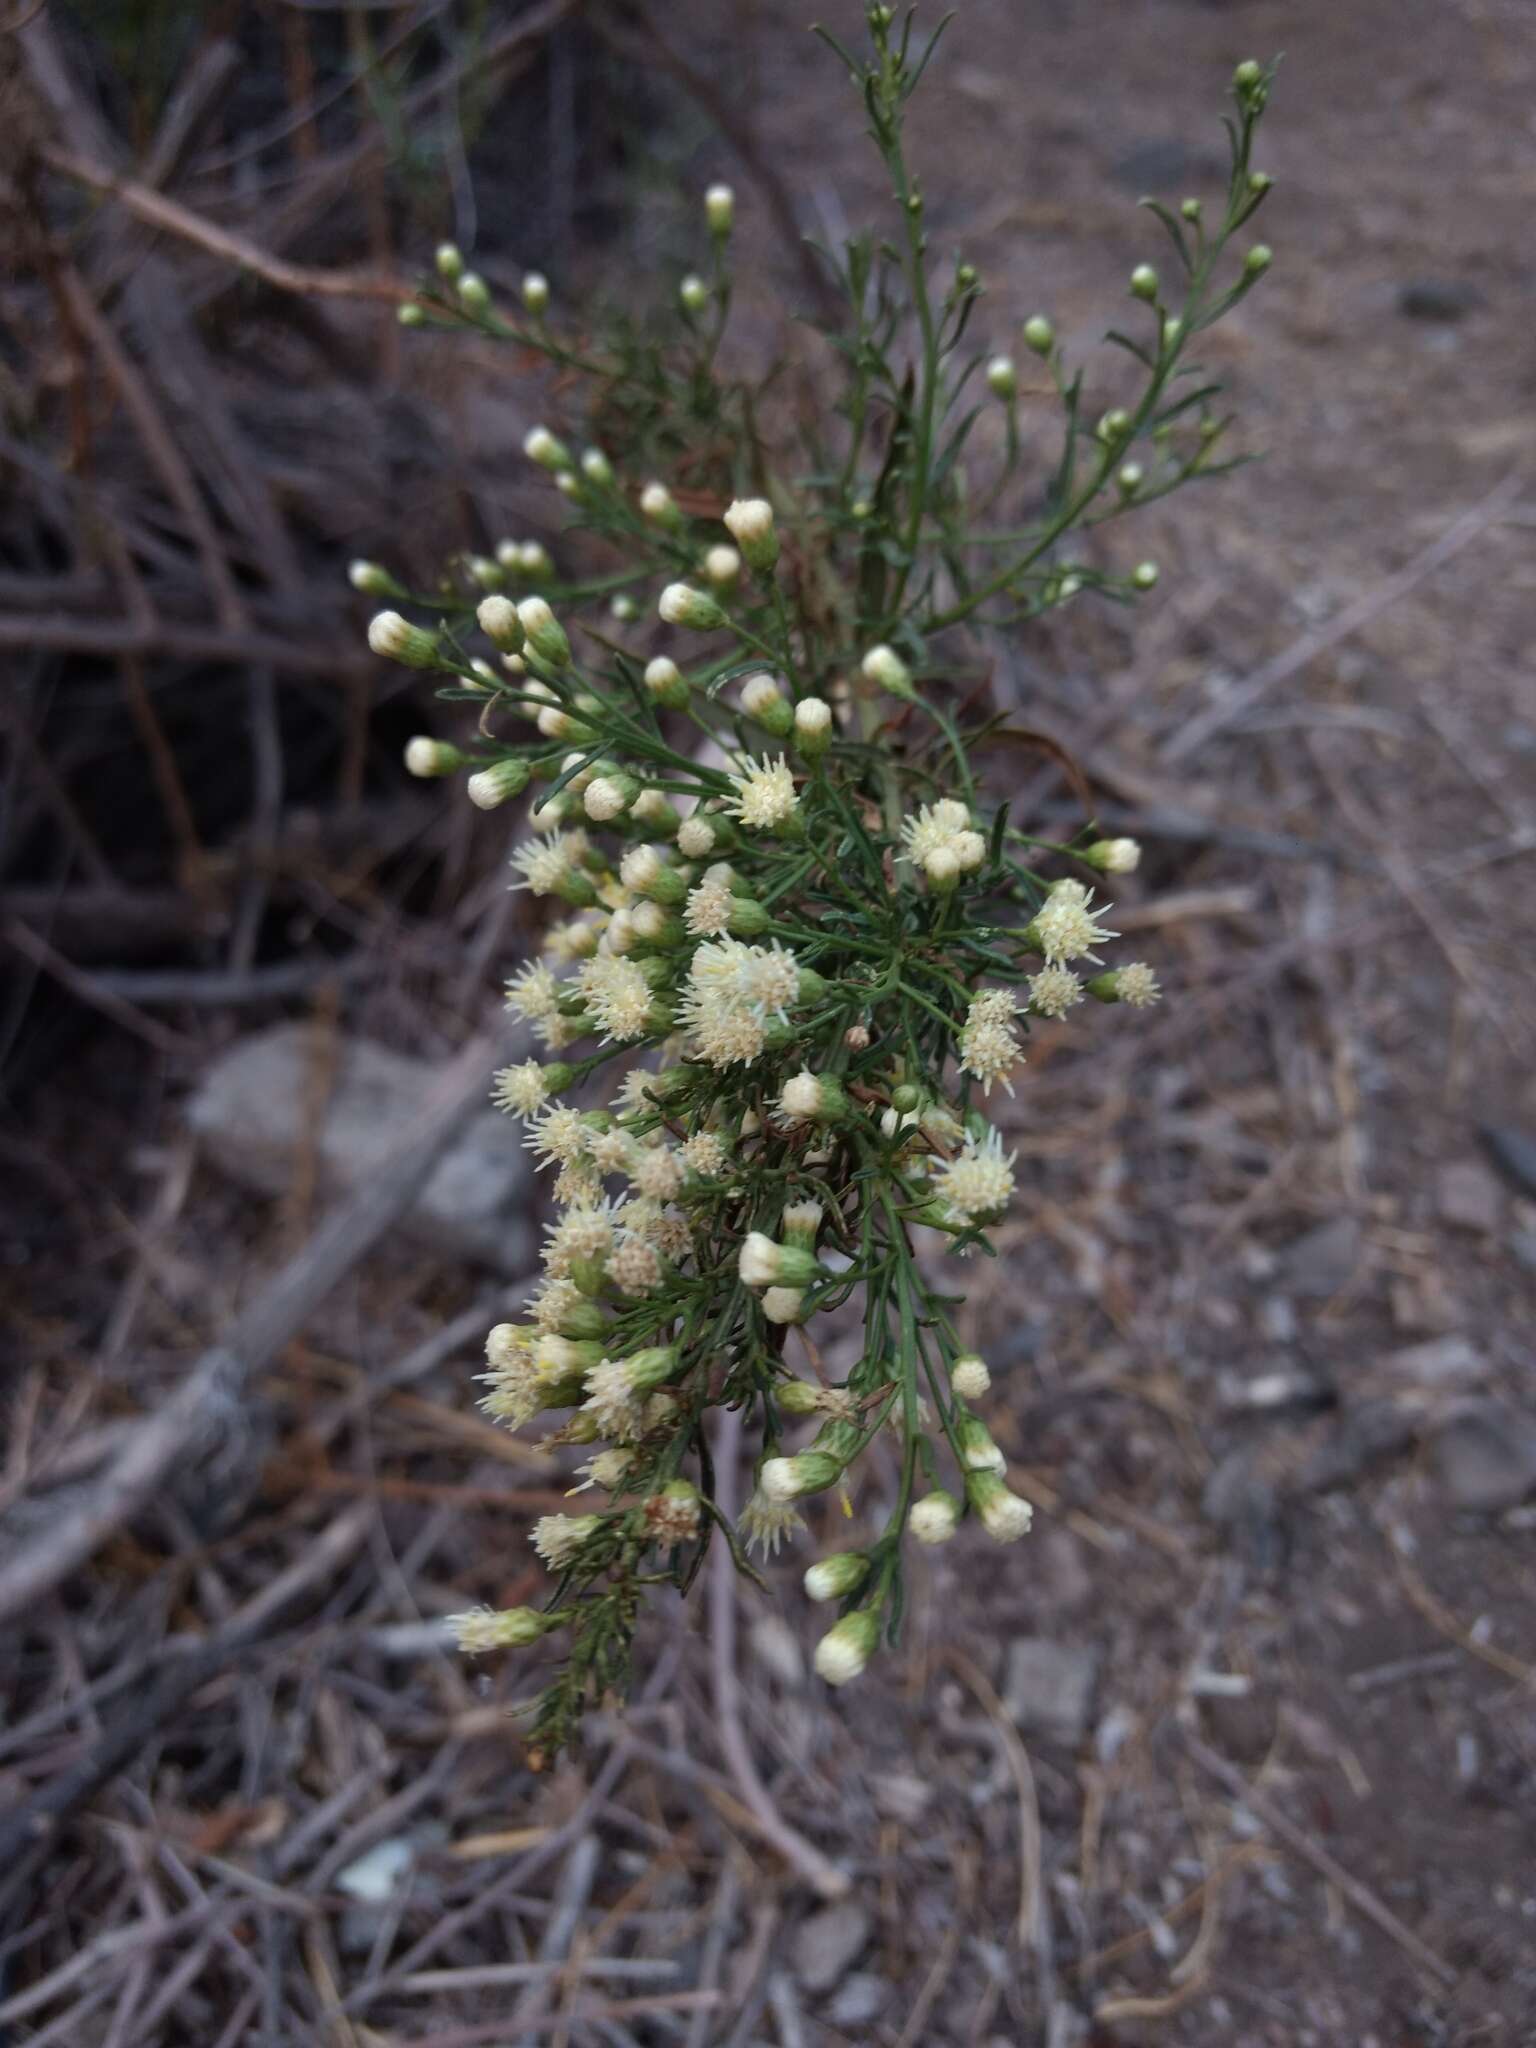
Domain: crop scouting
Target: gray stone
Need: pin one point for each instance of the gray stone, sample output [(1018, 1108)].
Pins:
[(1322, 1262), (275, 1094), (1468, 1197), (1484, 1456), (1049, 1687), (1367, 1435), (1441, 299), (857, 2000), (829, 1943), (1441, 1362)]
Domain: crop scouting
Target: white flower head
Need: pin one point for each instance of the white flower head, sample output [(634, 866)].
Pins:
[(1064, 927), (989, 1048), (977, 1184), (764, 794)]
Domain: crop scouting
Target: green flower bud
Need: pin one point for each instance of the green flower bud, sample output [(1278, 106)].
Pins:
[(450, 264), (1144, 575), (545, 634), (1003, 377), (474, 292), (666, 683), (535, 291), (785, 1479), (835, 1577), (847, 1646), (798, 1397), (1258, 259), (1039, 335), (427, 757), (499, 783), (398, 640), (720, 209), (682, 605), (693, 294), (1144, 282)]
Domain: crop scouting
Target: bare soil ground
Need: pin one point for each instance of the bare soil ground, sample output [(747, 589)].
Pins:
[(1262, 1332)]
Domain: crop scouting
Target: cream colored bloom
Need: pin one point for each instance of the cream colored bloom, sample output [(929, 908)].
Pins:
[(534, 992), (978, 1183), (764, 794), (1064, 927), (521, 1090), (617, 994), (1054, 991), (989, 1049)]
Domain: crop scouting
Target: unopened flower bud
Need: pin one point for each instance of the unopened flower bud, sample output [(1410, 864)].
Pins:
[(697, 837), (1114, 426), (1134, 984), (1113, 856), (1144, 282), (545, 634), (624, 609), (426, 757), (1258, 259), (720, 209), (763, 1263), (693, 294), (813, 1098), (847, 1647), (1039, 335), (813, 726), (1259, 183), (1003, 377), (507, 1628), (500, 624), (535, 291), (540, 446), (411, 314), (1144, 575), (1191, 210), (885, 667), (798, 1397), (682, 605), (1247, 75), (749, 522), (608, 796), (499, 783), (793, 1478), (835, 1577), (474, 292), (764, 701), (1004, 1516), (398, 640), (667, 684), (373, 578), (977, 1450), (450, 264), (596, 467), (784, 1305), (969, 1376), (533, 559), (1129, 478), (659, 506), (722, 565), (934, 1518), (941, 866)]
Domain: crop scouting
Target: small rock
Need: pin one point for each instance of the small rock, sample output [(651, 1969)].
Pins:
[(255, 1111), (1322, 1262), (1049, 1687), (829, 1943), (378, 1873), (1484, 1456), (1468, 1197), (1368, 1434), (1442, 1362), (857, 2000), (1285, 1386), (902, 1795), (1242, 1500), (1443, 299), (1161, 163), (1514, 1153)]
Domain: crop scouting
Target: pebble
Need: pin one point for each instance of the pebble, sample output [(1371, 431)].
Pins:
[(1468, 1197), (1367, 1434), (857, 2000), (1441, 1362), (1484, 1457), (1442, 299), (829, 1943), (1322, 1262), (1049, 1687)]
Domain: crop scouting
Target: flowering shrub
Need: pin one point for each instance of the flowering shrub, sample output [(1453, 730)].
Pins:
[(795, 952)]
